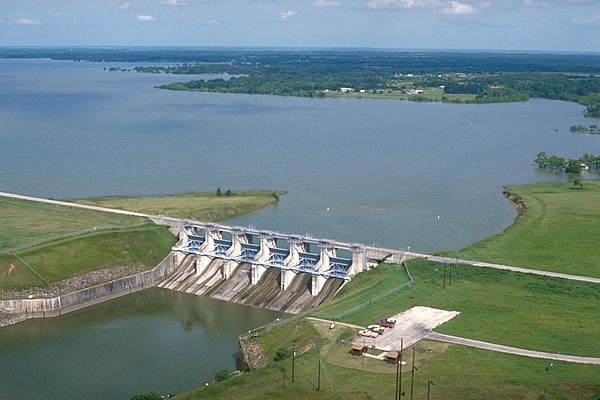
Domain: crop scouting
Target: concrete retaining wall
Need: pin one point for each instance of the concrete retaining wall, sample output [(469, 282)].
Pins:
[(51, 307)]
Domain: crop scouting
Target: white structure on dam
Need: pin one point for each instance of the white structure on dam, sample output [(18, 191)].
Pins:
[(264, 250)]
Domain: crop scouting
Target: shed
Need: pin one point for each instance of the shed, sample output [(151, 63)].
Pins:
[(391, 357), (358, 349)]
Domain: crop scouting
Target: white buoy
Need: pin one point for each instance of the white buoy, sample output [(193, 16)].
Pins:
[(438, 217), (327, 208)]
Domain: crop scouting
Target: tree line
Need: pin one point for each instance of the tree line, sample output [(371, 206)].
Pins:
[(573, 166), (592, 129)]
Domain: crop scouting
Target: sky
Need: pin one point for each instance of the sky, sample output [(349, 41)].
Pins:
[(535, 25)]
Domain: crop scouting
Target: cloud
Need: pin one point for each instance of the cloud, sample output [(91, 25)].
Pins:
[(535, 4), (285, 16), (174, 3), (456, 8), (214, 22), (387, 4), (396, 4), (325, 3), (125, 6), (145, 18), (566, 3), (592, 21), (27, 22)]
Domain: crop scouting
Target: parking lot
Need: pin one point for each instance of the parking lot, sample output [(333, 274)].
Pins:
[(411, 326)]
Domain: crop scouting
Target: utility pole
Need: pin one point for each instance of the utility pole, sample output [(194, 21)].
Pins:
[(293, 360), (400, 379), (444, 287), (319, 376), (450, 277), (397, 376), (429, 383), (412, 373)]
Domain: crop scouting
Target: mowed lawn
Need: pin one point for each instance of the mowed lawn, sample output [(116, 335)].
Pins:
[(509, 308), (498, 306), (24, 223), (142, 248), (60, 242), (200, 206), (559, 230), (457, 372)]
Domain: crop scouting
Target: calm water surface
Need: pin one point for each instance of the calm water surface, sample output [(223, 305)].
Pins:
[(385, 169), (155, 340), (368, 171)]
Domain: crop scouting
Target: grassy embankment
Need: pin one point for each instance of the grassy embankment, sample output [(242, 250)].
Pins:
[(200, 206), (60, 242), (557, 230), (496, 306), (503, 307)]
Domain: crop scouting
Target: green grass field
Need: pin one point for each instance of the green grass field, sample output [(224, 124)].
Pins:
[(501, 307), (457, 372), (25, 223), (557, 231), (61, 242), (142, 248), (138, 248), (363, 289), (200, 206)]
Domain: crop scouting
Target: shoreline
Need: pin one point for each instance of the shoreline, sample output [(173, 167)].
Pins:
[(18, 310), (93, 280)]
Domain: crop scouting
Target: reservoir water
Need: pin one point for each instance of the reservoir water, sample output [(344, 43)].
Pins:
[(158, 340), (400, 174)]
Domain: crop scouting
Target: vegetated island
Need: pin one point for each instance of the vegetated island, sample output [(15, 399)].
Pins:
[(429, 76), (47, 249), (592, 129), (447, 76), (556, 230)]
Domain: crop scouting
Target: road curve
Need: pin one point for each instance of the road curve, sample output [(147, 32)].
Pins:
[(439, 337)]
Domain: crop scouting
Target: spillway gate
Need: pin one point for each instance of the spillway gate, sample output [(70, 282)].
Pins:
[(263, 250)]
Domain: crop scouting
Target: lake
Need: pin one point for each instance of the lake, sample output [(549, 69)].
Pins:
[(428, 176)]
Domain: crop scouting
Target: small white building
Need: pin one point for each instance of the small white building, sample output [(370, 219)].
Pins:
[(346, 90)]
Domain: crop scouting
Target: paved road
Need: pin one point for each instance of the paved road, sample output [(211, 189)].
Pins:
[(407, 254), (65, 203), (511, 350), (451, 260)]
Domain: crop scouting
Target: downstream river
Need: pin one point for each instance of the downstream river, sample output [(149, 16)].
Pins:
[(158, 340), (428, 176)]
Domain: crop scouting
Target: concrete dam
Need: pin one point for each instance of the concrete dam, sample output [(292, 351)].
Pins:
[(287, 273)]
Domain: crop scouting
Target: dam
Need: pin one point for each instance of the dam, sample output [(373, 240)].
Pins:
[(261, 268), (288, 273)]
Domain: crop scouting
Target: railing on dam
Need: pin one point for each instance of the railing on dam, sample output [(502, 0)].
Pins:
[(269, 249)]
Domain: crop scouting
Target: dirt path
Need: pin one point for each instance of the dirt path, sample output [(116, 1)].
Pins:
[(327, 321)]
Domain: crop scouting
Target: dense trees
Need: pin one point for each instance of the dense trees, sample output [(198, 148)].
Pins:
[(573, 166), (311, 76), (592, 129)]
